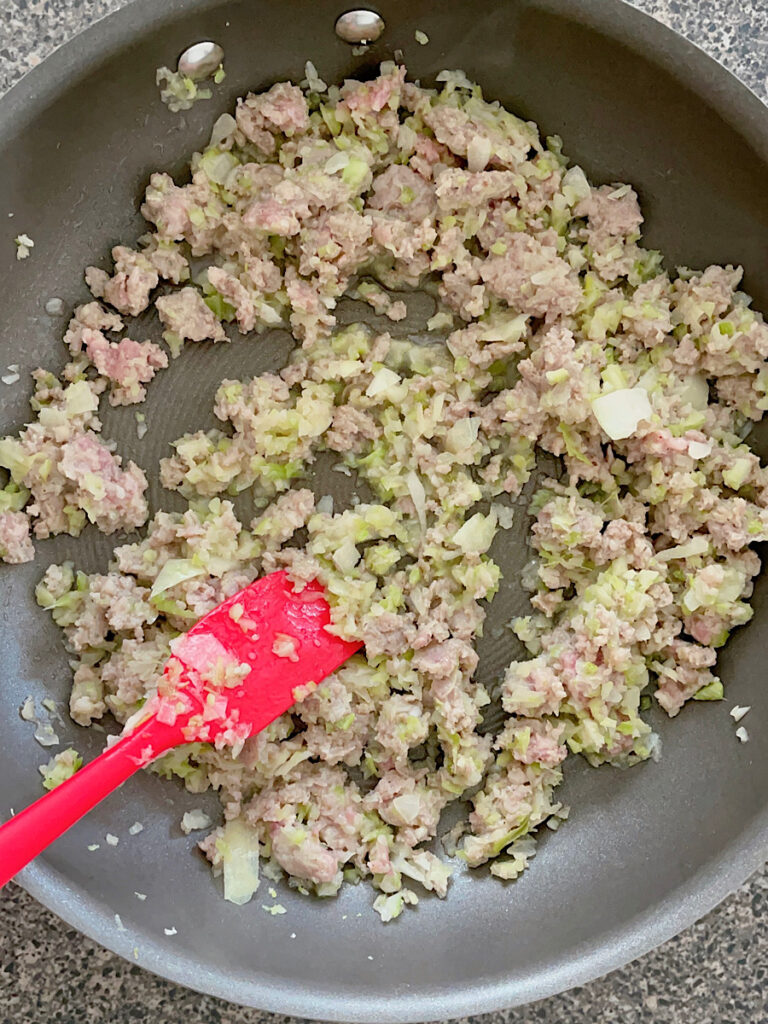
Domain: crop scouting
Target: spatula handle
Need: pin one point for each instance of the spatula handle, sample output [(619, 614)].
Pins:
[(30, 831)]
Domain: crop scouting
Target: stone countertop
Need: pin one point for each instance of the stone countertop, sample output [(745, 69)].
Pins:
[(714, 973)]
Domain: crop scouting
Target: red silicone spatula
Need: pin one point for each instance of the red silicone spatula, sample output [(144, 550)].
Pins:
[(232, 674)]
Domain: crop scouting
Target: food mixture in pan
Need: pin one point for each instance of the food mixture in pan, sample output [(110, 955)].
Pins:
[(556, 334)]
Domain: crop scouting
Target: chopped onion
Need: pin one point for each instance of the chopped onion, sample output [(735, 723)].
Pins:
[(407, 807), (346, 556), (697, 545), (477, 533), (457, 79), (418, 497), (442, 320), (619, 412), (654, 747), (505, 516), (285, 646), (575, 185), (239, 848), (479, 152), (699, 449), (382, 381), (545, 276), (336, 162), (24, 246), (696, 391), (175, 570), (314, 81), (193, 821), (45, 735), (390, 907), (462, 434), (223, 127), (325, 504)]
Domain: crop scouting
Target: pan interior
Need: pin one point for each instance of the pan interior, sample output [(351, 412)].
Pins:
[(645, 850)]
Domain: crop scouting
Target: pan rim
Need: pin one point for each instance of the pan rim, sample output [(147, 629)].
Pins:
[(747, 852), (608, 952)]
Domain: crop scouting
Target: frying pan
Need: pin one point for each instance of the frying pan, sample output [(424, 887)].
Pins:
[(646, 851)]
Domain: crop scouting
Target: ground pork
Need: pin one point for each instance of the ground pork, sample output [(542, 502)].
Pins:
[(611, 211), (15, 542), (129, 365), (112, 497), (532, 278), (129, 288), (91, 316), (457, 189), (400, 192), (281, 109), (545, 302), (235, 293), (350, 429), (186, 315)]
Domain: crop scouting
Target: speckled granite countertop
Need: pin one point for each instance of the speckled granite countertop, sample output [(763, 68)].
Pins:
[(714, 973)]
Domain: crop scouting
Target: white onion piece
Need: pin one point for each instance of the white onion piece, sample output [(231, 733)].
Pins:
[(194, 820), (478, 153), (223, 127), (382, 380), (696, 391), (240, 861), (575, 185), (619, 412), (699, 449), (418, 497), (698, 545), (336, 162)]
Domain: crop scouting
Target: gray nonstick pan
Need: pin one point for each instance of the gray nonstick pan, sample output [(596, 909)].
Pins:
[(646, 851)]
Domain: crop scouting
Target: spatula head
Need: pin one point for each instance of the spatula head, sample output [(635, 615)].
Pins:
[(247, 661)]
